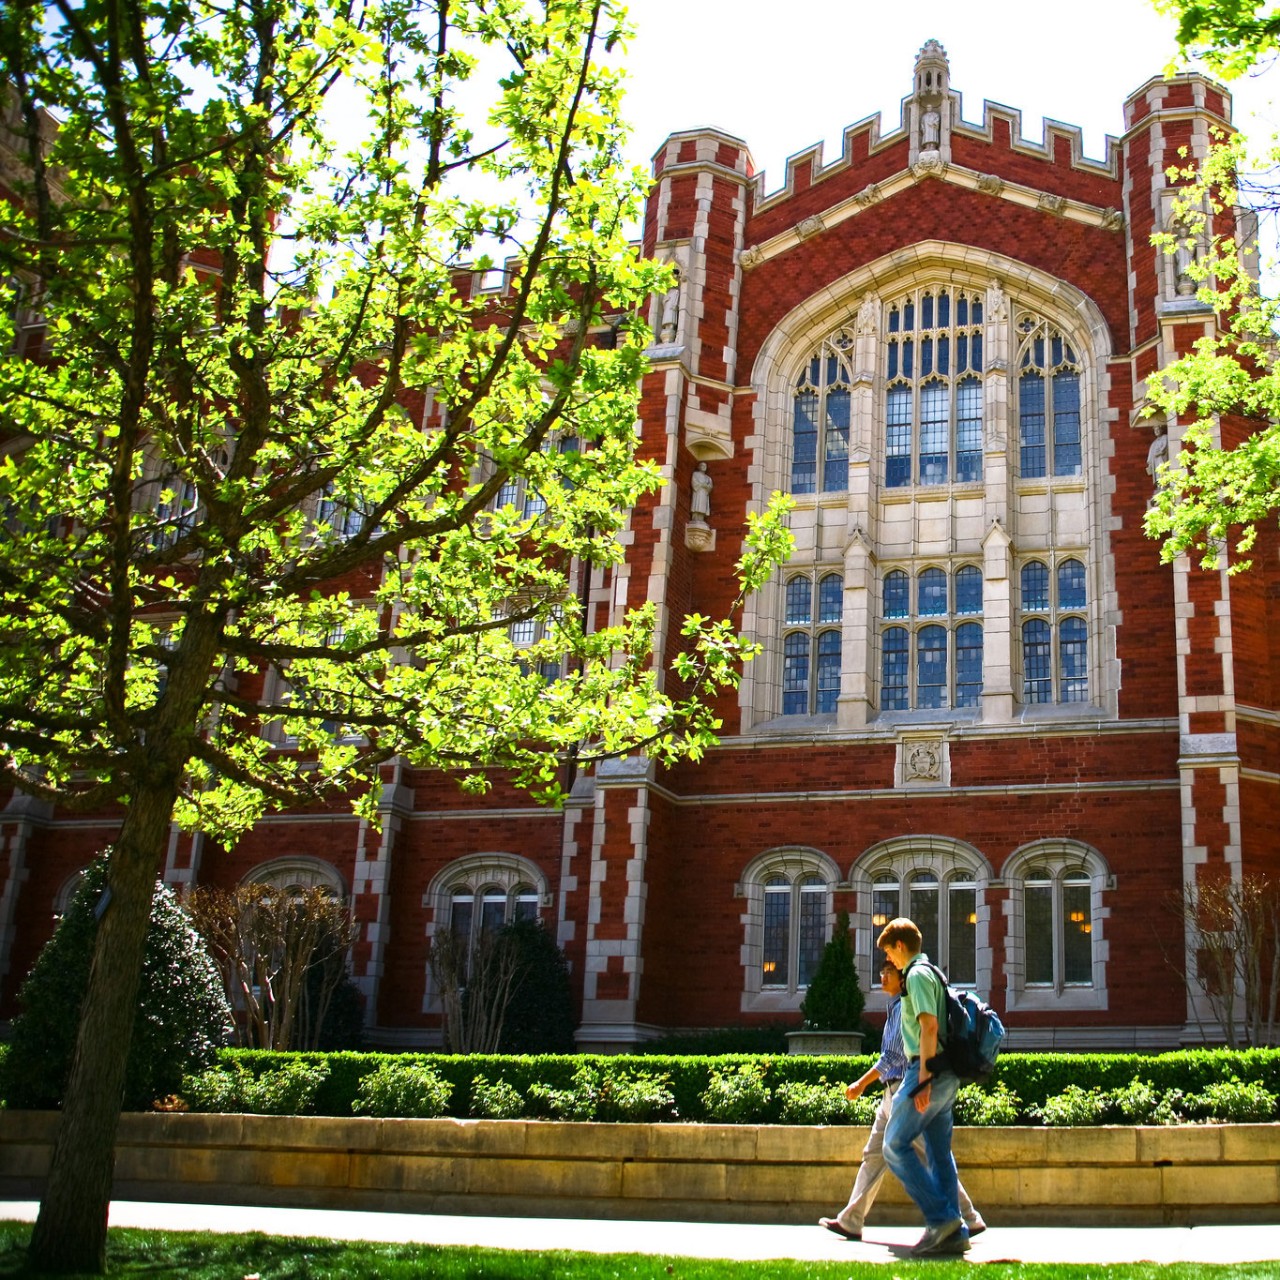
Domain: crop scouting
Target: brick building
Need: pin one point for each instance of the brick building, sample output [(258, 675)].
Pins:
[(982, 701)]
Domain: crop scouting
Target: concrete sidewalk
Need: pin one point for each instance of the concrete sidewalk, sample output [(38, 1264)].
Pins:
[(1219, 1244)]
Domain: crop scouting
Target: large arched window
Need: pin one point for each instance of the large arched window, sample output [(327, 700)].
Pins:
[(929, 657), (811, 644), (933, 396), (477, 895), (1056, 949), (939, 883), (787, 923), (820, 422), (1055, 633)]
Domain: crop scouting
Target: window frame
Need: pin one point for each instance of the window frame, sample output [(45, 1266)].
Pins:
[(815, 629), (1055, 618), (1054, 862), (808, 873), (954, 867), (827, 371), (914, 623), (914, 343)]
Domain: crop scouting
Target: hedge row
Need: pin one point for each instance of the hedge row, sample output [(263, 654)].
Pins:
[(1033, 1077)]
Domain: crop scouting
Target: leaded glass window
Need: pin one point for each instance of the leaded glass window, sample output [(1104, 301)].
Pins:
[(933, 395), (1048, 401), (822, 404), (811, 644), (929, 663), (1058, 925), (796, 916), (1055, 639)]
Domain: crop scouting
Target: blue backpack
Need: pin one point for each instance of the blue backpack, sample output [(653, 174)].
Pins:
[(973, 1034)]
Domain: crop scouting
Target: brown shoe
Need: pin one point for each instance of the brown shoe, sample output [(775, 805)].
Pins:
[(834, 1225)]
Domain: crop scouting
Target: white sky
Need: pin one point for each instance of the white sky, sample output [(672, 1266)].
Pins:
[(784, 74)]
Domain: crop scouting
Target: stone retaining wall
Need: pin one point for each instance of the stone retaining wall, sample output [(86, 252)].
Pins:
[(726, 1173)]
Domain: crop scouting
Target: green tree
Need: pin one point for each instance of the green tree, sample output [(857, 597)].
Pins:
[(280, 465), (1225, 481), (182, 1015)]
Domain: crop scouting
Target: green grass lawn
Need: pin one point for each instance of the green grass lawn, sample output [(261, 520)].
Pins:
[(205, 1256)]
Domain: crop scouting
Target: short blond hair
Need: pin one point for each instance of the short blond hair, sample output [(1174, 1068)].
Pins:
[(901, 930)]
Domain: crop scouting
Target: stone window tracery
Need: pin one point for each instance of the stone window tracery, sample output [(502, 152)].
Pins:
[(821, 407), (787, 922), (811, 643), (933, 397), (1055, 633), (1048, 401), (929, 659)]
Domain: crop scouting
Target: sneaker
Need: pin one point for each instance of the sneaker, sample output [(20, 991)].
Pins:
[(976, 1228), (946, 1237)]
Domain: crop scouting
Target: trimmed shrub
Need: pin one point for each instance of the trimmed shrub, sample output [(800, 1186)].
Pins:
[(987, 1107), (739, 1096), (289, 1091), (1073, 1106), (182, 1019), (820, 1103), (1233, 1102), (834, 1000), (540, 1015), (1141, 1103), (402, 1089), (495, 1101)]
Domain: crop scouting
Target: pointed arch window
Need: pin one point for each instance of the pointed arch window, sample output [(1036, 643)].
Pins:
[(822, 406), (933, 397), (1048, 401)]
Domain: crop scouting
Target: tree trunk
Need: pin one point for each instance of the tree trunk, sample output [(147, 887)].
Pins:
[(71, 1231)]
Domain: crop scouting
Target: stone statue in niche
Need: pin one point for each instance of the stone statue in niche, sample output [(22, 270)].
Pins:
[(930, 130), (868, 320), (1158, 453), (700, 502), (669, 325), (1184, 254), (997, 307)]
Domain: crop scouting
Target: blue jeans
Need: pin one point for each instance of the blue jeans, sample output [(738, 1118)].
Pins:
[(932, 1186)]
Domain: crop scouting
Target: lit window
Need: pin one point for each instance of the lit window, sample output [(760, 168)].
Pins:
[(1056, 952), (795, 916), (942, 900)]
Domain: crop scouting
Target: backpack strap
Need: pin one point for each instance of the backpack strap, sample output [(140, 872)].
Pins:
[(943, 1028)]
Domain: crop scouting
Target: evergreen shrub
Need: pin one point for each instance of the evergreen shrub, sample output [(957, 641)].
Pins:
[(834, 1000), (182, 1020)]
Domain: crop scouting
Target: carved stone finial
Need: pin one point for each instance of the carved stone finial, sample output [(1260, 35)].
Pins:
[(809, 227), (868, 195), (751, 257), (997, 303), (990, 184), (1112, 220), (1055, 205)]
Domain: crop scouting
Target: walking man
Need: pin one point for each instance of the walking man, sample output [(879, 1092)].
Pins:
[(922, 1105), (889, 1069)]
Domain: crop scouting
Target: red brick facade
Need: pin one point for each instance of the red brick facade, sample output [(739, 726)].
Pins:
[(1050, 831)]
